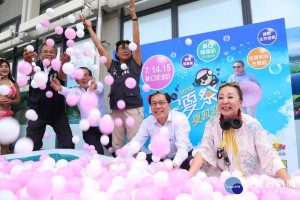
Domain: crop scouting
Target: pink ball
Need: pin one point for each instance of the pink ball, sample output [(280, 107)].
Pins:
[(145, 182), (78, 73), (122, 194), (70, 33), (170, 193), (39, 187), (72, 77), (103, 59), (70, 43), (129, 121), (88, 101), (106, 125), (105, 162), (46, 62), (146, 88), (123, 152), (178, 177), (49, 94), (74, 185), (160, 145), (4, 184), (118, 121), (130, 83), (121, 104), (25, 176), (160, 166), (43, 86), (24, 68), (110, 150), (66, 172), (50, 42), (93, 152), (44, 156), (47, 135), (86, 146), (59, 30), (104, 184), (91, 147), (76, 167), (22, 81), (55, 63), (109, 80), (45, 23)]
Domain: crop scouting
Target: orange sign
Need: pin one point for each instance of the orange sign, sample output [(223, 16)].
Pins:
[(259, 58)]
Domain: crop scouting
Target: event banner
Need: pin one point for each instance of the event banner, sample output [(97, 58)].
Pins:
[(192, 68)]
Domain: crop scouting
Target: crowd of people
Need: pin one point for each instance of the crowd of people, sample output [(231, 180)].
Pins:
[(232, 140)]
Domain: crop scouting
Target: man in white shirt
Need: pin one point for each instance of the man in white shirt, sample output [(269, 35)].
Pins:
[(93, 134), (177, 125)]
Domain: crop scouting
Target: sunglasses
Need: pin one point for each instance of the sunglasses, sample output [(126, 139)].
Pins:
[(238, 67), (230, 84), (158, 91)]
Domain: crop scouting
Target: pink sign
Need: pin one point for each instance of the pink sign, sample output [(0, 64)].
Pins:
[(158, 72)]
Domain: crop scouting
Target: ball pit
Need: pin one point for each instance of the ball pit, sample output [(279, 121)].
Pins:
[(82, 176)]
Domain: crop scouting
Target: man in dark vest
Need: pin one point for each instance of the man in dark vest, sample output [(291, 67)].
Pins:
[(50, 111)]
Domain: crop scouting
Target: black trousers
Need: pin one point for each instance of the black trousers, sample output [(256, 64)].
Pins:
[(36, 129), (185, 164), (92, 137)]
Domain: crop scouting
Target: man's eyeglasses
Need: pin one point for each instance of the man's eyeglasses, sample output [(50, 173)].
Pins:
[(161, 103), (158, 91), (238, 67), (48, 52), (123, 49)]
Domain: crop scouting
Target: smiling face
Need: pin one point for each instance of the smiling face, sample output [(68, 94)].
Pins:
[(160, 107), (84, 82), (123, 53), (4, 69), (47, 52), (238, 67), (229, 102)]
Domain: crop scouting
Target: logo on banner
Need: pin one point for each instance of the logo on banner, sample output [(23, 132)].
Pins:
[(208, 50), (267, 36), (259, 58), (233, 185), (279, 147)]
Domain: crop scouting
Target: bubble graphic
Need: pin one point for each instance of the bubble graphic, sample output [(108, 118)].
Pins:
[(275, 68), (173, 55), (275, 101), (276, 93), (229, 58), (241, 45), (233, 48), (226, 53), (226, 38)]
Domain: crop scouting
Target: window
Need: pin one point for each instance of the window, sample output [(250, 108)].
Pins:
[(154, 27), (209, 15), (274, 9)]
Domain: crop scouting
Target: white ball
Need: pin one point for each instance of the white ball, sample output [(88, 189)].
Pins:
[(41, 78), (104, 140), (49, 161), (79, 26), (15, 171), (123, 66), (36, 69), (94, 114), (68, 68), (24, 146), (61, 163), (31, 115), (70, 51), (141, 156), (95, 68), (100, 195), (87, 46), (30, 48), (75, 139), (237, 174), (34, 84), (84, 125), (9, 130), (7, 195), (134, 147), (80, 33), (4, 90), (39, 28), (77, 52), (58, 184), (132, 46), (50, 12), (155, 158), (188, 41), (168, 163), (161, 179), (71, 18), (184, 196)]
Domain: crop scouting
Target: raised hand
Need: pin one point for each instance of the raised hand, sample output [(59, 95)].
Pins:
[(131, 8), (93, 86), (29, 55), (55, 84), (65, 58), (87, 23)]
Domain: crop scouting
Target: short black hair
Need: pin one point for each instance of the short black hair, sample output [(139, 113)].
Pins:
[(44, 44), (168, 97), (240, 61), (121, 43), (90, 72), (235, 85)]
